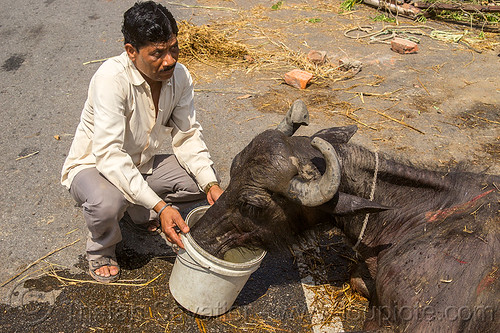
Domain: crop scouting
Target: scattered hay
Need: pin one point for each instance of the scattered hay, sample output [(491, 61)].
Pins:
[(483, 41), (481, 115), (284, 57), (70, 281), (238, 323), (317, 100), (37, 261), (342, 302), (217, 44), (51, 270), (320, 100), (493, 149)]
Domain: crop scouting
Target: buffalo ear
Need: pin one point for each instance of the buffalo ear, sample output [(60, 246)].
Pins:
[(295, 117), (346, 204), (337, 134)]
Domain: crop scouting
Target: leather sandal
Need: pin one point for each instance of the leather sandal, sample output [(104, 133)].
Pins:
[(101, 262)]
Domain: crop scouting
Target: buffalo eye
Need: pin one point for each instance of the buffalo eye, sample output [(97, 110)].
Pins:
[(251, 211)]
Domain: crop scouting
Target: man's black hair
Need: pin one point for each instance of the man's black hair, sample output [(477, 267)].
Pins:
[(148, 22)]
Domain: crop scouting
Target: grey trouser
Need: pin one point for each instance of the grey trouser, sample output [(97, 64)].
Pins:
[(104, 205)]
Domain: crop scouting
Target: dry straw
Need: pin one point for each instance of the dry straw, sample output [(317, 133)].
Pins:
[(334, 302), (206, 42)]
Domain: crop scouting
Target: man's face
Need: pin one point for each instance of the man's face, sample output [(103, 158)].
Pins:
[(155, 61)]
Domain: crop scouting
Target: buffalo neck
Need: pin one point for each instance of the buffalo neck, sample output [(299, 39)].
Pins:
[(420, 199)]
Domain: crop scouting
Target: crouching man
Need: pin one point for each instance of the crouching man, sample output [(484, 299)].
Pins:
[(134, 101)]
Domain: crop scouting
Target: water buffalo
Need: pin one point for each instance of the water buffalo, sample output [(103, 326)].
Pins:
[(429, 241)]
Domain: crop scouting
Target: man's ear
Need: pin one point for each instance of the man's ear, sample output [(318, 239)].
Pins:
[(131, 51)]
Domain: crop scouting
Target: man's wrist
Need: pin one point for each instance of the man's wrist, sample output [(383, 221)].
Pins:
[(168, 204), (209, 186)]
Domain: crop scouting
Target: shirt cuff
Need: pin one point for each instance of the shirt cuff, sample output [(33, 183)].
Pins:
[(206, 176), (148, 198)]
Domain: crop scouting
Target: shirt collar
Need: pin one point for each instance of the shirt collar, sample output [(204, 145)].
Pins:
[(136, 77)]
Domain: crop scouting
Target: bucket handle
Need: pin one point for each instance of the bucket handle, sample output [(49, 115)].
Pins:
[(176, 249), (194, 261)]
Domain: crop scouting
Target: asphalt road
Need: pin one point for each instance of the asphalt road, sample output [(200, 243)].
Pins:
[(44, 75), (43, 88)]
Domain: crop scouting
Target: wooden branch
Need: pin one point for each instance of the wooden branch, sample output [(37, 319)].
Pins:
[(457, 7), (405, 9)]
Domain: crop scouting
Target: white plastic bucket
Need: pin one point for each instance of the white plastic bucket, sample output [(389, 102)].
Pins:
[(204, 284)]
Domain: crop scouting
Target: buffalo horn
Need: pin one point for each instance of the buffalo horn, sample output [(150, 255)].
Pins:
[(319, 191)]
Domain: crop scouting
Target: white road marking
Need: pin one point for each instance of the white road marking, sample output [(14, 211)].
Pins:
[(313, 278)]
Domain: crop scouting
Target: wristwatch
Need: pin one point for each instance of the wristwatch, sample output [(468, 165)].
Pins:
[(209, 186)]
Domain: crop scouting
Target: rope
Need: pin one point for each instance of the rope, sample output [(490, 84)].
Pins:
[(389, 32), (372, 195)]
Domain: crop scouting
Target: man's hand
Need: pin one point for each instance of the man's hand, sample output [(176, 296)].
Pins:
[(169, 219), (213, 194)]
